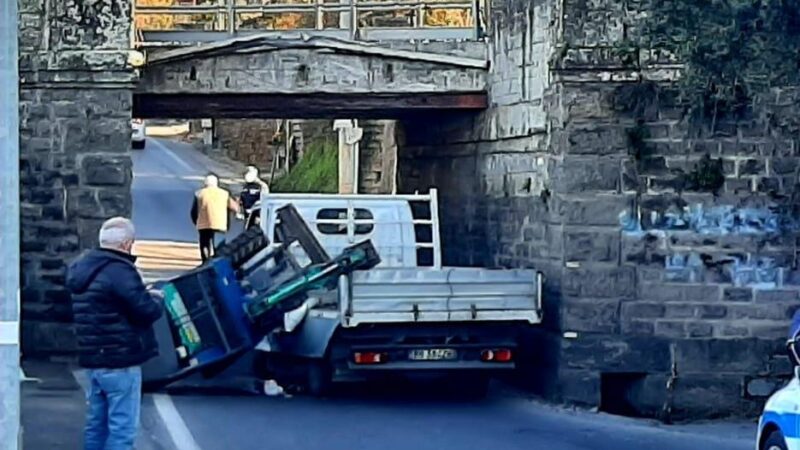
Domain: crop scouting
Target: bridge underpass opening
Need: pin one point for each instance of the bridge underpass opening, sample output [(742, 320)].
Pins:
[(371, 147)]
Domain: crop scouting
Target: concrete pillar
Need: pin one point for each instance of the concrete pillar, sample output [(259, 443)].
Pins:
[(349, 137), (9, 223), (208, 132)]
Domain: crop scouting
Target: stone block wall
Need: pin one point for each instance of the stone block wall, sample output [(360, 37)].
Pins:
[(75, 170), (696, 277), (674, 295), (249, 141), (491, 168)]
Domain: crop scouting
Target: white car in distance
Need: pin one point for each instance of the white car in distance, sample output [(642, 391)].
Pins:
[(138, 134)]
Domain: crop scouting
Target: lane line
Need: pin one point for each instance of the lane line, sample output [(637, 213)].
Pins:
[(172, 155), (181, 437)]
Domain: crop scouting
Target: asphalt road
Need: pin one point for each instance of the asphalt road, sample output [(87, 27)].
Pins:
[(166, 175), (367, 417), (421, 421)]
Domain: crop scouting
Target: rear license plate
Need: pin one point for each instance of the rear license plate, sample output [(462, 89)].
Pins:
[(432, 354)]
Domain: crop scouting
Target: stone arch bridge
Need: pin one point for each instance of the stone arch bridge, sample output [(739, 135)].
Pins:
[(524, 133), (308, 77)]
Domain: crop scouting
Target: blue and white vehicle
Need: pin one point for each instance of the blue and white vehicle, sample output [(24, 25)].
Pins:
[(779, 426)]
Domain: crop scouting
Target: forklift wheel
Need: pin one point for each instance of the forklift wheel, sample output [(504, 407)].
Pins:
[(320, 378)]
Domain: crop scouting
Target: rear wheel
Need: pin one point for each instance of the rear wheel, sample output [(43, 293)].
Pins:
[(775, 441), (139, 145)]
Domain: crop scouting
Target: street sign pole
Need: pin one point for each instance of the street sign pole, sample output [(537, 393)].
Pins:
[(9, 229)]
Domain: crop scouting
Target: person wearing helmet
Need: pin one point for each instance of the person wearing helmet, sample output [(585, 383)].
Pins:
[(250, 197)]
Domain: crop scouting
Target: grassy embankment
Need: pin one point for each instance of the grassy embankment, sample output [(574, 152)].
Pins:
[(317, 171)]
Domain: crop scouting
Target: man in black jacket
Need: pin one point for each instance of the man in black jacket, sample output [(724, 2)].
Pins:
[(114, 315)]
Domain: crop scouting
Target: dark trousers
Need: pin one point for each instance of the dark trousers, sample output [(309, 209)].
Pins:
[(208, 242)]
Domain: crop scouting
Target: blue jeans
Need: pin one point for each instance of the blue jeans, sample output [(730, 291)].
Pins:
[(114, 400)]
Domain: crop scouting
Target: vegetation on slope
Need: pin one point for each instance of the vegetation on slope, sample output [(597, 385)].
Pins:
[(317, 171)]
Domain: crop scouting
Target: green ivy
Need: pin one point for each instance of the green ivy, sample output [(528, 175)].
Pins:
[(733, 49)]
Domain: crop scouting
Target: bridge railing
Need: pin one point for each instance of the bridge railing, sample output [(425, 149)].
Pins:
[(171, 22)]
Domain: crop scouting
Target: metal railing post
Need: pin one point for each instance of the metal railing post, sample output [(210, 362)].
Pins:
[(320, 15), (476, 19), (231, 10), (353, 19)]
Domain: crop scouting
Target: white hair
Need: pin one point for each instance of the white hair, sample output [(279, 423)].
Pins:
[(115, 232), (211, 180)]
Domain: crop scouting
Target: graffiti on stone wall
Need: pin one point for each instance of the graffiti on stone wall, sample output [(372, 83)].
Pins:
[(749, 270), (741, 268), (720, 220)]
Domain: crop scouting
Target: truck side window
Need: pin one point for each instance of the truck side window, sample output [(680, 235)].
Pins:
[(340, 216)]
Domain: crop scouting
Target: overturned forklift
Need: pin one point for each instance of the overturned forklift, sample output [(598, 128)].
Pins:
[(218, 312)]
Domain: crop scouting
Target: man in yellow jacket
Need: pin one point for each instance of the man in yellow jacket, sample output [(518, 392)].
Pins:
[(210, 214)]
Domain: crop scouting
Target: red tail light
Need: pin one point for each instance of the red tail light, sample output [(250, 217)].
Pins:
[(497, 355), (369, 358)]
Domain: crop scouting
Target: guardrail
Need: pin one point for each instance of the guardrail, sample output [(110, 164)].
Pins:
[(187, 21)]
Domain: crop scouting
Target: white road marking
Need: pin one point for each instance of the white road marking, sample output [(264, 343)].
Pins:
[(172, 155), (178, 431)]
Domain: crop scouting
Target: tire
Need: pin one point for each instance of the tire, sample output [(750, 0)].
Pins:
[(320, 378), (775, 441), (139, 145)]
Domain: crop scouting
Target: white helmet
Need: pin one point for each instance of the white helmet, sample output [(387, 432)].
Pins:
[(251, 175)]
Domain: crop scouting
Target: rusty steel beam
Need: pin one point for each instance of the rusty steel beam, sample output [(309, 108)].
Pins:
[(303, 106)]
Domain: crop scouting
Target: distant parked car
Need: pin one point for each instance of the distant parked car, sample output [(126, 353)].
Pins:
[(779, 426), (138, 134)]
